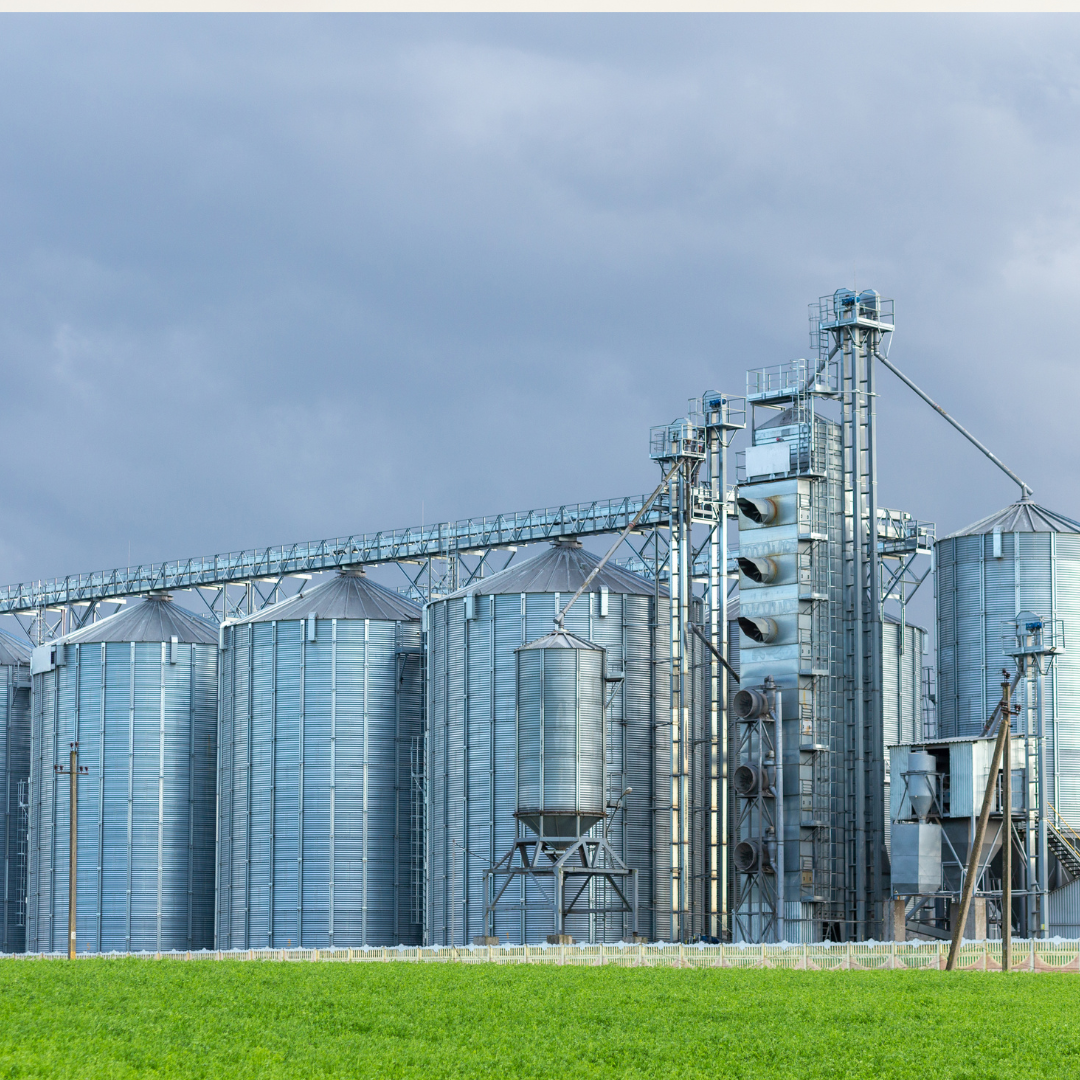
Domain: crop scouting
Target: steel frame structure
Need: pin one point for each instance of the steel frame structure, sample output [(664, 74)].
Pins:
[(852, 328), (588, 858), (421, 546), (759, 900), (696, 447)]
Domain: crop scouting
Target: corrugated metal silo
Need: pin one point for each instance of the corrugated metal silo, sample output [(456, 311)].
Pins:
[(472, 636), (1023, 558), (560, 736), (138, 692), (320, 794), (14, 774)]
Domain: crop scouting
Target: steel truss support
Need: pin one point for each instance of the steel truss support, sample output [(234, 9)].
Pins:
[(759, 785), (559, 872), (694, 450)]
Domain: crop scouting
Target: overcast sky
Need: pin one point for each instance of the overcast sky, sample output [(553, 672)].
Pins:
[(266, 279)]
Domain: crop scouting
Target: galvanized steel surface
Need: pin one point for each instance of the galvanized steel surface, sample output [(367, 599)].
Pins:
[(151, 621), (316, 844), (14, 771), (560, 729), (471, 747), (983, 581), (144, 714), (903, 647), (561, 569), (1021, 516), (441, 541), (349, 594)]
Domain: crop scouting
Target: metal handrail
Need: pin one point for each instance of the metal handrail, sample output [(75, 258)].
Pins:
[(1061, 821)]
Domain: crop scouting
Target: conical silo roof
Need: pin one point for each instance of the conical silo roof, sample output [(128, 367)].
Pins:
[(560, 639), (562, 569), (156, 618), (349, 594), (1022, 516), (13, 651)]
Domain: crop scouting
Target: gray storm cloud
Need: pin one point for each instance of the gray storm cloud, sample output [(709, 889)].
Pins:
[(271, 278)]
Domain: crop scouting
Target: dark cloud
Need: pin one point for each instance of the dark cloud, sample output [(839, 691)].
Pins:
[(273, 278)]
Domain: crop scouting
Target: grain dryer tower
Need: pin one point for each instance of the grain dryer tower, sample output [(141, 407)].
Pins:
[(319, 801), (818, 558), (14, 777), (137, 693)]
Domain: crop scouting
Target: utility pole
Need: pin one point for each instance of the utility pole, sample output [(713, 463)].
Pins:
[(73, 770)]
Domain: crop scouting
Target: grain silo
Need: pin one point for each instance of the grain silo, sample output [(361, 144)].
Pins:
[(14, 776), (138, 692), (320, 796), (1022, 559), (472, 636)]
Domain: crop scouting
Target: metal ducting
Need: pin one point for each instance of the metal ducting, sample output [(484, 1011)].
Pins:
[(749, 703), (759, 629), (763, 511), (752, 855), (761, 571), (749, 780)]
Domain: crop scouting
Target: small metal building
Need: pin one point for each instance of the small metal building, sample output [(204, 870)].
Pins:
[(138, 692), (319, 784), (1023, 558), (472, 636), (14, 776)]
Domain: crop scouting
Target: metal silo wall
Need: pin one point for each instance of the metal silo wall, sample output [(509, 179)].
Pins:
[(14, 769), (560, 724), (146, 729), (976, 595), (471, 784), (315, 843)]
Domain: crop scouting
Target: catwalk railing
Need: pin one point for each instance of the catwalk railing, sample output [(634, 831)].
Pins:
[(441, 541), (1043, 955)]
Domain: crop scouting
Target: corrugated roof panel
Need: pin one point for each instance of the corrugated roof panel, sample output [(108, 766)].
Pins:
[(13, 651), (562, 569), (347, 595), (156, 618), (1023, 516), (561, 639)]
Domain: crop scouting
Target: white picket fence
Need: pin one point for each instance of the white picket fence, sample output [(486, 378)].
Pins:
[(1042, 955)]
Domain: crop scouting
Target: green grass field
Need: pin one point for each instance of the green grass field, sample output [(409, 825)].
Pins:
[(128, 1018)]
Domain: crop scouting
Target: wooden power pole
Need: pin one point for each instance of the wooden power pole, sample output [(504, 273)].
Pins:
[(74, 770)]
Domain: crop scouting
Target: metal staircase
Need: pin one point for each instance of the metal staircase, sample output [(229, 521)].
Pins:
[(1063, 843)]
